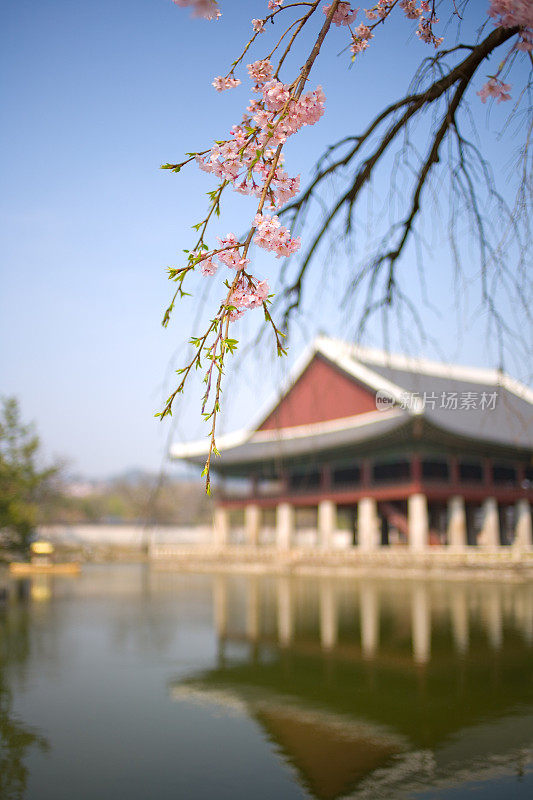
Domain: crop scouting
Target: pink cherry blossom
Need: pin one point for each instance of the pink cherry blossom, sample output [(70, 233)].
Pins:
[(272, 236), (231, 259), (203, 163), (260, 71), (260, 294), (229, 254), (363, 32), (284, 186), (311, 107), (275, 95), (410, 9), (208, 266), (358, 45), (248, 294), (508, 13), (361, 38), (208, 9), (221, 84), (525, 44), (230, 251), (425, 31), (495, 88), (344, 14), (258, 25), (273, 4), (380, 10)]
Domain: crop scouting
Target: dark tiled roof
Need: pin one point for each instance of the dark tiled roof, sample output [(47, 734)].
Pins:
[(257, 448), (509, 422)]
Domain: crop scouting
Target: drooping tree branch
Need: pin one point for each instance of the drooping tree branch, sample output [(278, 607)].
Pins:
[(396, 118)]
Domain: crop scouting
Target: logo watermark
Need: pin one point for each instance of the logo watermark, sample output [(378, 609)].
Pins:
[(451, 401), (384, 400)]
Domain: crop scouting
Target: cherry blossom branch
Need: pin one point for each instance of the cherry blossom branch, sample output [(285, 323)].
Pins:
[(285, 113), (295, 95)]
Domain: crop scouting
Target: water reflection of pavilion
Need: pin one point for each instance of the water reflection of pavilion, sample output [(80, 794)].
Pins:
[(366, 689)]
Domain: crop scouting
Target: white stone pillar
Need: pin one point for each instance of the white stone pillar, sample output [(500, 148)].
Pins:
[(369, 611), (252, 610), (489, 535), (527, 618), (220, 605), (367, 524), (417, 517), (284, 526), (460, 621), (457, 536), (285, 612), (327, 523), (523, 538), (494, 618), (421, 624), (252, 524), (221, 526), (328, 615)]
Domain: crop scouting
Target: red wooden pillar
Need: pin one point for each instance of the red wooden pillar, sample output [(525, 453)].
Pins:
[(326, 477), (521, 477), (366, 474), (487, 472), (454, 472), (416, 471)]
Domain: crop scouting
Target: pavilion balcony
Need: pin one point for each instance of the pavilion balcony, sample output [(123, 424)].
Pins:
[(438, 478)]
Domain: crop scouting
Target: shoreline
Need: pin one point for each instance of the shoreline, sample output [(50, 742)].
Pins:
[(502, 565)]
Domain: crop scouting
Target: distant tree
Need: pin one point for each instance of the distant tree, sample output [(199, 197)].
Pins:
[(23, 482), (143, 501)]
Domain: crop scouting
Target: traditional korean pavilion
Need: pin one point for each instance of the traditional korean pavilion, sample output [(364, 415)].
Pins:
[(367, 449)]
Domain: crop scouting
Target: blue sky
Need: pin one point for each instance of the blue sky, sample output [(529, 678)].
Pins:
[(96, 95)]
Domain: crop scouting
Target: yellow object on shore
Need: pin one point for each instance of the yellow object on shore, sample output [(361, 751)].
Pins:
[(42, 548), (25, 568)]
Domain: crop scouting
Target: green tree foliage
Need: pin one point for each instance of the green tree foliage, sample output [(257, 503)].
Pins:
[(17, 740), (23, 482)]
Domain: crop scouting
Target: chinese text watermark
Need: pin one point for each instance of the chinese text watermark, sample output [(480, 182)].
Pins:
[(452, 401)]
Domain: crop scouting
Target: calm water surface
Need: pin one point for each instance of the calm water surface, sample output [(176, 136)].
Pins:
[(129, 682)]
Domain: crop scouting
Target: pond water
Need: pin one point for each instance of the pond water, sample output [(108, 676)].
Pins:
[(143, 684)]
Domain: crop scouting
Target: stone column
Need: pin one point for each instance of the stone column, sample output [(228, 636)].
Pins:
[(489, 536), (494, 618), (285, 612), (417, 517), (457, 537), (220, 605), (460, 622), (328, 615), (523, 538), (421, 624), (367, 524), (527, 617), (327, 523), (252, 610), (369, 611), (284, 526), (221, 527), (252, 524)]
